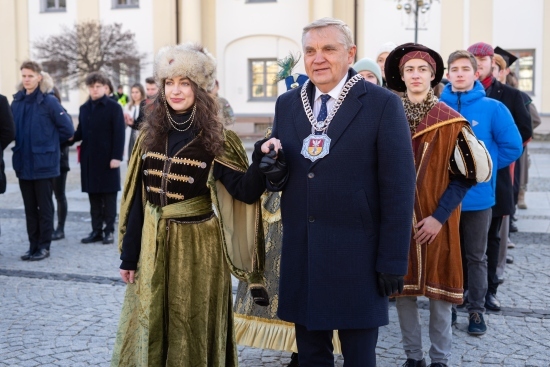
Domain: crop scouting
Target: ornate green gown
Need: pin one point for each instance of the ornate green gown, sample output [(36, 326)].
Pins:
[(179, 310)]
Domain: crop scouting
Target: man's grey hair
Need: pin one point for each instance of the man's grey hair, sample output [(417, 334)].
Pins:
[(346, 37)]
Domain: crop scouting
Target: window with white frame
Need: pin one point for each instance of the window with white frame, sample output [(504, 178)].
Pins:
[(524, 68), (262, 79), (53, 5), (117, 4)]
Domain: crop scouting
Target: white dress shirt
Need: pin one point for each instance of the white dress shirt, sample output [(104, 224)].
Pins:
[(334, 93)]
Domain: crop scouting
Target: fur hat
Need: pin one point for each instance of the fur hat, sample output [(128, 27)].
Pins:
[(187, 60), (367, 64), (386, 47)]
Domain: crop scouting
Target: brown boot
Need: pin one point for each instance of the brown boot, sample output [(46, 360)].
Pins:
[(521, 199)]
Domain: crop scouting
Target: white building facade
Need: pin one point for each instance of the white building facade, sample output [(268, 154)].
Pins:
[(248, 36)]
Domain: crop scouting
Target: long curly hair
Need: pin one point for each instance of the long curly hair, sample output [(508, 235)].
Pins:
[(156, 125)]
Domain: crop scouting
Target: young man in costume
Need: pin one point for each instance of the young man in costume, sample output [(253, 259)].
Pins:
[(346, 203), (504, 204), (493, 124), (446, 167)]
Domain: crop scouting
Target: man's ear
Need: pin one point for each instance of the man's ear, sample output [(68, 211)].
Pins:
[(476, 75)]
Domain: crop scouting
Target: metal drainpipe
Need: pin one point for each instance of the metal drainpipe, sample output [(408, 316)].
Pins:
[(356, 26), (177, 22)]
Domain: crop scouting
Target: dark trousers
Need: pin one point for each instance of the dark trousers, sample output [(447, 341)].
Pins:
[(59, 184), (315, 347), (37, 198), (103, 210), (493, 248)]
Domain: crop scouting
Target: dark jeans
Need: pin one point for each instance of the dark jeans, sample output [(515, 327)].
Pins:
[(59, 184), (315, 347), (473, 243), (37, 198), (493, 248), (103, 210)]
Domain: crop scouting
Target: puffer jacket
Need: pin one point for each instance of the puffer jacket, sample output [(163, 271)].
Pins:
[(41, 124), (493, 124)]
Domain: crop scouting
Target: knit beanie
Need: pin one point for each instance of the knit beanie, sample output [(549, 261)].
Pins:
[(367, 64), (386, 47)]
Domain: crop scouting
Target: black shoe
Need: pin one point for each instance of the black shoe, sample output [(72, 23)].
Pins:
[(437, 364), (509, 260), (414, 363), (500, 280), (294, 360), (491, 302), (453, 316), (477, 324), (58, 234), (95, 236), (513, 227), (108, 239), (40, 255), (464, 300), (27, 255)]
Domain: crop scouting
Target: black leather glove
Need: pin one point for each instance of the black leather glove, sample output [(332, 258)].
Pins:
[(274, 169), (259, 295), (389, 284)]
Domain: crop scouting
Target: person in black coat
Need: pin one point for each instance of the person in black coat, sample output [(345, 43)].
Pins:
[(7, 134), (101, 130), (346, 203), (59, 184), (504, 194)]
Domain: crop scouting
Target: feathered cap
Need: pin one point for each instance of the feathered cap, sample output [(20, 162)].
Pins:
[(291, 80), (189, 60)]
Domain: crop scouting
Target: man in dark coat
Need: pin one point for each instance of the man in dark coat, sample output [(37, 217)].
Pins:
[(504, 194), (346, 212), (7, 134), (101, 129)]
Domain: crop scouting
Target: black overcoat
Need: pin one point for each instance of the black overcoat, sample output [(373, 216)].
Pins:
[(101, 130), (345, 216), (512, 99)]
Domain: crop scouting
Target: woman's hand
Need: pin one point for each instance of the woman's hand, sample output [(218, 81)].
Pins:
[(127, 275), (273, 141), (115, 163)]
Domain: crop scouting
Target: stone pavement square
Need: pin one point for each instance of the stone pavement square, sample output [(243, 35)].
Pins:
[(63, 311)]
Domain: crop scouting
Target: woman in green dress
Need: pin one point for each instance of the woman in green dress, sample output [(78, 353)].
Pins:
[(190, 215)]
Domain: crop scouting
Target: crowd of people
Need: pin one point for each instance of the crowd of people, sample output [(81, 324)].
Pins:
[(408, 193)]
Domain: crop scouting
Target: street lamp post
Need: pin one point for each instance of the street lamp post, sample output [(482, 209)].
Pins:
[(413, 7)]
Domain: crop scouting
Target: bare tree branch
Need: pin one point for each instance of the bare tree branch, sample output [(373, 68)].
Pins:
[(86, 47)]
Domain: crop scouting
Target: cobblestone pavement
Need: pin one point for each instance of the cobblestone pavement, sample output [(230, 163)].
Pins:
[(63, 311)]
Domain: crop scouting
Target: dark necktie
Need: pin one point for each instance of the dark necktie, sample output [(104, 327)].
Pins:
[(323, 111)]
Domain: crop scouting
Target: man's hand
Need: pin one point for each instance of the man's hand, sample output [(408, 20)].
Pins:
[(389, 284), (115, 163), (274, 168), (428, 228), (127, 275)]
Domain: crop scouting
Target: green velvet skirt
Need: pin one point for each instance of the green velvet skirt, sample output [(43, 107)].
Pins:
[(179, 310)]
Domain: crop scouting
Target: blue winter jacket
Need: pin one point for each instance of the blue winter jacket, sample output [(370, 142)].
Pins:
[(41, 124), (493, 124)]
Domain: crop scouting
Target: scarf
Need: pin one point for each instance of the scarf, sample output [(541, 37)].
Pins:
[(487, 81), (416, 112)]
